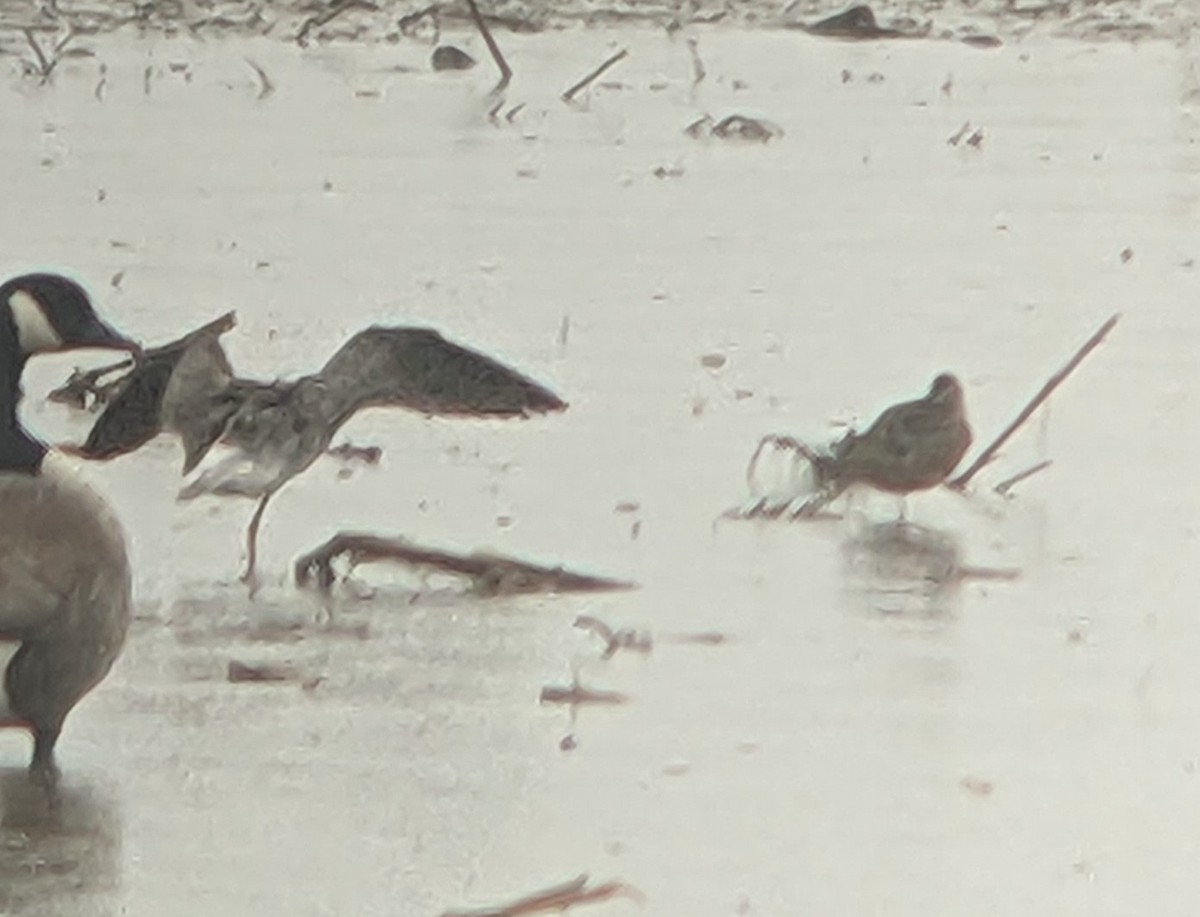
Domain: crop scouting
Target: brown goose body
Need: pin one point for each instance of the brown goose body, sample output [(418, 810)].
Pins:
[(65, 580)]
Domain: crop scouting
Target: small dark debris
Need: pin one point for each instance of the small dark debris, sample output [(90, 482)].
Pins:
[(448, 57), (348, 452), (240, 672), (576, 694), (734, 127), (858, 22)]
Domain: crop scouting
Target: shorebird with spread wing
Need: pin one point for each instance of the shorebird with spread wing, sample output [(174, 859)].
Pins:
[(277, 429)]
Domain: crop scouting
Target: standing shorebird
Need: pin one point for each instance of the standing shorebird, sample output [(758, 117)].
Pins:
[(65, 592), (277, 429), (911, 446)]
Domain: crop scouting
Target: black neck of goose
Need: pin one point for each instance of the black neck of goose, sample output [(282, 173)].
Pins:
[(18, 450)]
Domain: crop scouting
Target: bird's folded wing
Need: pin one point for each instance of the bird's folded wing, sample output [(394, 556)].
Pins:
[(29, 595)]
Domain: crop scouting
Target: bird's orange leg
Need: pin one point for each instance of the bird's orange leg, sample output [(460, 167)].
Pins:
[(249, 577)]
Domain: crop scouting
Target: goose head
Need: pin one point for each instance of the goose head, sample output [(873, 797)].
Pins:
[(44, 313)]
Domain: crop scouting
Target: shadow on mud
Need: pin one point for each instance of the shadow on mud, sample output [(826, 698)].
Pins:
[(901, 568), (60, 853)]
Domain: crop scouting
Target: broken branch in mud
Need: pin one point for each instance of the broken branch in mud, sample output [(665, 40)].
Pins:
[(493, 48), (1009, 483), (323, 19), (698, 71), (775, 440), (576, 694), (266, 87), (989, 454), (490, 574), (626, 638), (45, 65), (594, 75), (555, 898), (348, 452), (80, 384), (408, 22)]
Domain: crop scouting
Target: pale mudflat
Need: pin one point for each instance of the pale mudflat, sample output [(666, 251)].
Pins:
[(867, 741)]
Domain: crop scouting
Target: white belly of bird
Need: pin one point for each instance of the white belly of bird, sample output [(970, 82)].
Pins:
[(228, 470)]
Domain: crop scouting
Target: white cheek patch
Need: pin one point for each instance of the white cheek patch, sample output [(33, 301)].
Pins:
[(34, 331)]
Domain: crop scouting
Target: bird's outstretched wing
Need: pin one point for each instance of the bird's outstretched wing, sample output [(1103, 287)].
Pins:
[(133, 417), (417, 368), (202, 397)]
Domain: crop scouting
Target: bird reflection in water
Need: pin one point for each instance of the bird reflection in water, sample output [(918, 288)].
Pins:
[(60, 849), (908, 569)]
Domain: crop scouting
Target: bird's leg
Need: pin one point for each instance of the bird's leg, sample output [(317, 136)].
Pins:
[(249, 577), (42, 769)]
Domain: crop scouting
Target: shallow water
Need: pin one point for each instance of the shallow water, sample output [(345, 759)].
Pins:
[(862, 743)]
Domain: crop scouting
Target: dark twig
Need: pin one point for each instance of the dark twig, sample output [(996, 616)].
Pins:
[(576, 694), (45, 67), (698, 71), (497, 55), (1009, 483), (266, 87), (1052, 383), (594, 75), (625, 638), (61, 45), (323, 19), (788, 443), (490, 574), (555, 898), (409, 21)]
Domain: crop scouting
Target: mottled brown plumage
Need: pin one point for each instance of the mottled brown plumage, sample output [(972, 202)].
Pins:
[(911, 446), (278, 429)]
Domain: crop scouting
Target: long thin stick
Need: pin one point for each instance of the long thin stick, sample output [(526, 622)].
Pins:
[(698, 71), (1051, 384), (594, 75), (45, 67), (497, 54), (556, 898), (1009, 483)]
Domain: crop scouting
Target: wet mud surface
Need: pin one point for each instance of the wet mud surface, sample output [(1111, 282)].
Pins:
[(878, 730)]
